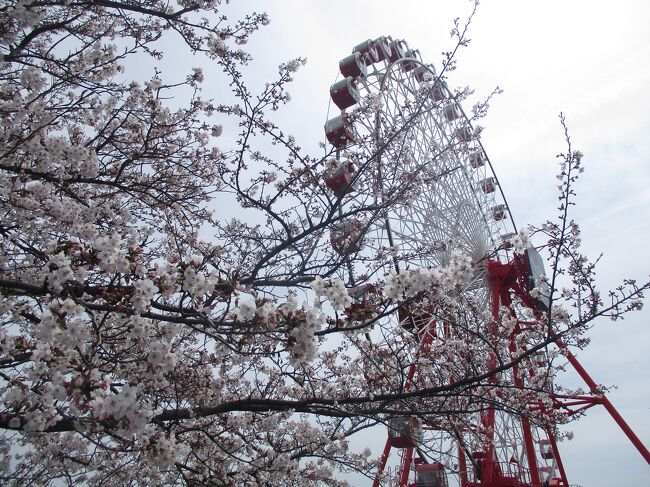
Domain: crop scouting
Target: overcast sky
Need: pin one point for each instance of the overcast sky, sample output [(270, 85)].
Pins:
[(587, 59)]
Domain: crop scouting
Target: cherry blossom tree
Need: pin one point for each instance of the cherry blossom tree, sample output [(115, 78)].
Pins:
[(146, 340)]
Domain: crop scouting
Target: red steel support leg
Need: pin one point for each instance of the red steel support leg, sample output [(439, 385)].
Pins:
[(406, 467), (382, 463), (605, 402), (487, 465), (556, 455), (530, 453), (529, 445)]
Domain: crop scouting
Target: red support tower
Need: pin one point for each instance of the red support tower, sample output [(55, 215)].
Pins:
[(501, 450)]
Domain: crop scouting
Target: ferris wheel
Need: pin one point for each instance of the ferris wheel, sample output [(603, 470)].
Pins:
[(405, 143), (408, 156)]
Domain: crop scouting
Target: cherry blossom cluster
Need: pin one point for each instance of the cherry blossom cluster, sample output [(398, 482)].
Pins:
[(411, 282), (521, 240), (333, 291)]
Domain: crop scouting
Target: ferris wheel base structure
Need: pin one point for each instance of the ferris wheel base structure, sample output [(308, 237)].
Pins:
[(399, 122), (482, 468)]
